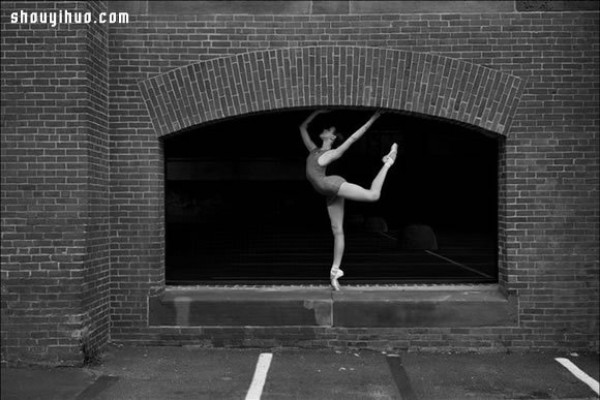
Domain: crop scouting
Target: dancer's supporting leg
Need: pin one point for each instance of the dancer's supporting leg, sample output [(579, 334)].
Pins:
[(336, 211), (336, 215), (354, 192)]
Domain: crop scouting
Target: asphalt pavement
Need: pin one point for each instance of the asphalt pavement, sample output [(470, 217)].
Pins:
[(192, 372)]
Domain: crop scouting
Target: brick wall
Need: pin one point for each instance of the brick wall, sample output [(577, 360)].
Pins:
[(67, 136), (350, 76), (549, 161), (54, 187), (96, 283)]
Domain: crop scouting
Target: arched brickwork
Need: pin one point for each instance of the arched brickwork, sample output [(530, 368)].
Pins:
[(332, 76)]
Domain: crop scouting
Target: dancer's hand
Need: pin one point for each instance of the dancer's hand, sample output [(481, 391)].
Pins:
[(321, 111), (377, 114), (313, 115), (304, 132), (373, 118)]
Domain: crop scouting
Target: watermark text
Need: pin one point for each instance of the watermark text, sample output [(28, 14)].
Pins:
[(54, 18)]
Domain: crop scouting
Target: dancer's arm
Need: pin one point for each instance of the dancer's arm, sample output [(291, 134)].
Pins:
[(356, 135), (304, 133)]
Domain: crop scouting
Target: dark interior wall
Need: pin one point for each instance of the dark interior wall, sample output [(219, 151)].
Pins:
[(445, 176)]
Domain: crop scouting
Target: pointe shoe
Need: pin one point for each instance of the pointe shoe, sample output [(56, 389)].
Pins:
[(335, 285), (391, 157), (334, 276)]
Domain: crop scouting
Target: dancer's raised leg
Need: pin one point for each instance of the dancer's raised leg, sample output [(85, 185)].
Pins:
[(354, 192), (336, 215)]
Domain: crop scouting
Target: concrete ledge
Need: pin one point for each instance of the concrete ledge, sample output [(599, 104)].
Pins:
[(241, 307), (474, 306), (484, 306)]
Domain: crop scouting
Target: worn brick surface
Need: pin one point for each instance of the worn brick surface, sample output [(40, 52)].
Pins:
[(457, 66), (379, 77), (77, 114), (55, 276)]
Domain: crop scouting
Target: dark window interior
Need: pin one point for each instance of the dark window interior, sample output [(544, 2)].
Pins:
[(239, 209)]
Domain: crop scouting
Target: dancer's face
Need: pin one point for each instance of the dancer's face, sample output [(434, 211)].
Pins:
[(328, 135)]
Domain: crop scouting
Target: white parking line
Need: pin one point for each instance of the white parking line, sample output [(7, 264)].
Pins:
[(582, 376), (260, 376)]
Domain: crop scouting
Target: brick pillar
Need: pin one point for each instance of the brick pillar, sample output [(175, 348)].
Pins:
[(55, 275)]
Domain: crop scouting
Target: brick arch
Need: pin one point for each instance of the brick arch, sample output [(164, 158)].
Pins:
[(332, 76)]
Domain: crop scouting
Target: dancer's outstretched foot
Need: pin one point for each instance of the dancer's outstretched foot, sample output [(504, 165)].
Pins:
[(391, 157), (334, 275)]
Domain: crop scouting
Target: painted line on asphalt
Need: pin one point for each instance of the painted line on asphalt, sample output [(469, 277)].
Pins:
[(260, 376), (582, 376), (458, 264), (401, 378)]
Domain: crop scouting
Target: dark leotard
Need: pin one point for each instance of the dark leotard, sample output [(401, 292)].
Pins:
[(316, 175)]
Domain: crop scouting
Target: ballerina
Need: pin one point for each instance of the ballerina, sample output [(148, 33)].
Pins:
[(334, 187)]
